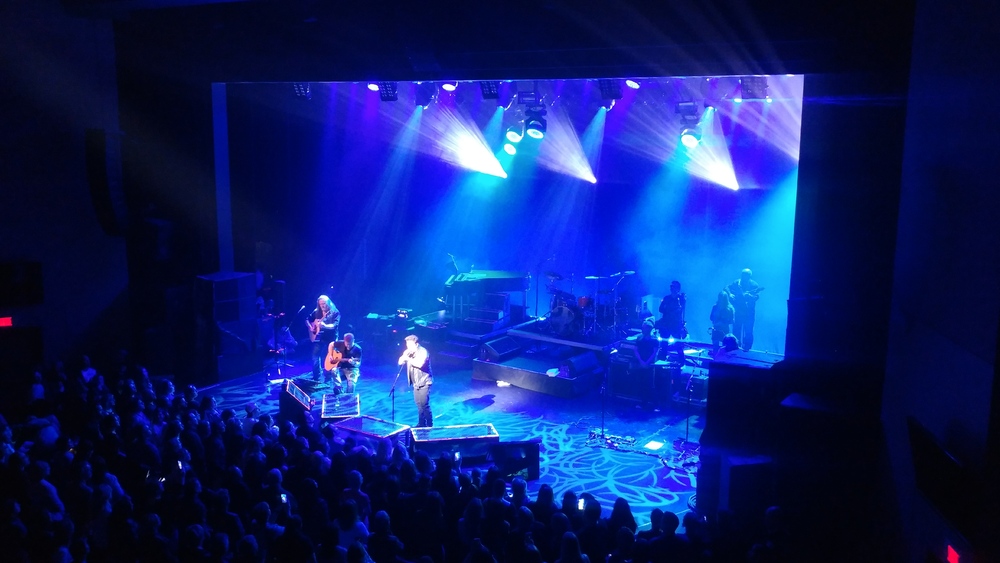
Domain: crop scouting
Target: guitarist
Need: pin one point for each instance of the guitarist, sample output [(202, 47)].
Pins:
[(348, 359), (672, 308), (743, 294), (323, 324)]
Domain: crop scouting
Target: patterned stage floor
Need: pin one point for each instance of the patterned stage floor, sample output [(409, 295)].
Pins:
[(573, 457)]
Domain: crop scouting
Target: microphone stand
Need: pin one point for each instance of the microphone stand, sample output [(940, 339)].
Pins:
[(392, 392)]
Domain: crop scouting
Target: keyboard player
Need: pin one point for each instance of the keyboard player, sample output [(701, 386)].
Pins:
[(647, 347)]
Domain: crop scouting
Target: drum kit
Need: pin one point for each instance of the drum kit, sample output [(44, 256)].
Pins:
[(600, 309)]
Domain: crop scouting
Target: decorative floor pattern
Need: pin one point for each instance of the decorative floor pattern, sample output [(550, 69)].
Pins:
[(573, 454)]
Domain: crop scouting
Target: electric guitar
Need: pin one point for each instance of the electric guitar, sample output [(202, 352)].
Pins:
[(333, 357)]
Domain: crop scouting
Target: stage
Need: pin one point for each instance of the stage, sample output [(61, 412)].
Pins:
[(635, 459)]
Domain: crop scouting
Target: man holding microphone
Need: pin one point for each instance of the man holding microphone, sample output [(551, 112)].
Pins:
[(418, 376)]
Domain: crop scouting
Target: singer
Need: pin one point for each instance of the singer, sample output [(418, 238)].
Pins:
[(418, 376)]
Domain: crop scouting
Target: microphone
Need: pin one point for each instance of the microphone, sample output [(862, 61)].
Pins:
[(302, 308)]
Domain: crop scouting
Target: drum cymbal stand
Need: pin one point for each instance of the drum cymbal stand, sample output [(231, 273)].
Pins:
[(595, 325), (618, 331)]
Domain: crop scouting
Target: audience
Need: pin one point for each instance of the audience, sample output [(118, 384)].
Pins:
[(126, 468)]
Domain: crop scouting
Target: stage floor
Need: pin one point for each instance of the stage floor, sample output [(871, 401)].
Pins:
[(573, 454)]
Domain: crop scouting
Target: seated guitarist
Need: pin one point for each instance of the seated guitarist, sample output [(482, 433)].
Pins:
[(349, 365), (324, 326), (743, 294)]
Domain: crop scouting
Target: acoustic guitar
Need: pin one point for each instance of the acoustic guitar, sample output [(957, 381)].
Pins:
[(333, 357)]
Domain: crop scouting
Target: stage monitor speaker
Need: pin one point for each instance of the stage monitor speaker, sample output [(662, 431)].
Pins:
[(500, 349), (586, 362), (470, 440), (517, 459), (293, 403)]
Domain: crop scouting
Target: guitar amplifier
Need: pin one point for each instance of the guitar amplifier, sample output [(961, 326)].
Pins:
[(690, 385)]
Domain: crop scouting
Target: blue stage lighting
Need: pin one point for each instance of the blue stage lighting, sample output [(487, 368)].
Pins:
[(514, 134), (509, 149), (690, 137), (373, 86), (632, 84), (449, 86), (534, 121)]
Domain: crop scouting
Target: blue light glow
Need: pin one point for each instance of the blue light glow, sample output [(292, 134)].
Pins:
[(690, 138), (514, 134), (449, 86), (632, 84), (373, 86), (509, 149)]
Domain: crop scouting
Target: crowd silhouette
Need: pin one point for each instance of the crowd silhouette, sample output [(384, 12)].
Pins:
[(120, 466)]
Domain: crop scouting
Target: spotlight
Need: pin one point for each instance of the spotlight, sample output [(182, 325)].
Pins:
[(610, 89), (690, 137), (690, 116), (302, 90), (387, 91), (449, 86), (632, 84), (424, 94), (373, 86), (534, 121), (491, 89), (753, 87), (514, 134), (509, 149)]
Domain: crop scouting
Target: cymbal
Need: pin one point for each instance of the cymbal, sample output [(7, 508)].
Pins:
[(596, 277), (628, 273), (553, 275)]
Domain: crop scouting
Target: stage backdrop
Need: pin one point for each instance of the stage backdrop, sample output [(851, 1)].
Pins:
[(369, 200)]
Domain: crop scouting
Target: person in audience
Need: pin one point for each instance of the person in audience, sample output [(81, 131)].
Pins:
[(129, 470), (569, 550)]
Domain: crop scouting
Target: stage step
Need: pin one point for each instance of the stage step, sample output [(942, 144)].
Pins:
[(486, 314), (453, 359), (481, 326)]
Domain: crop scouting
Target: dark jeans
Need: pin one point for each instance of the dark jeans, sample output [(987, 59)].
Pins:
[(319, 357), (743, 329), (422, 397)]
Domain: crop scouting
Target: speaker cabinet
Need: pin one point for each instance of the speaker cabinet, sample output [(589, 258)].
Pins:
[(500, 349)]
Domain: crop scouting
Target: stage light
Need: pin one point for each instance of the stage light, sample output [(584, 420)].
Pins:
[(753, 87), (769, 99), (632, 84), (373, 86), (424, 94), (610, 89), (534, 121), (738, 100), (490, 89), (509, 149), (690, 137), (387, 91), (302, 90), (514, 134), (449, 86), (690, 115)]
